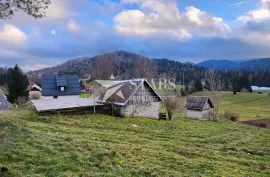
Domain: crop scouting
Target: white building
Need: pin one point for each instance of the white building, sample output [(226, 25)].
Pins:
[(198, 107)]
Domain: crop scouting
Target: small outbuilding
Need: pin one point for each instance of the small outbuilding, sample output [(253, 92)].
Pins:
[(34, 91), (198, 107)]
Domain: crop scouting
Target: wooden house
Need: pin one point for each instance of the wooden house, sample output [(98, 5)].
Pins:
[(60, 86), (198, 107), (131, 98)]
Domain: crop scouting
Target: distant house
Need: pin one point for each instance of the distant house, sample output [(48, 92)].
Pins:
[(58, 86), (198, 107), (34, 87), (34, 91), (131, 98)]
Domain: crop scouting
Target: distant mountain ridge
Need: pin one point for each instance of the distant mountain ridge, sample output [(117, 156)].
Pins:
[(262, 64), (127, 65)]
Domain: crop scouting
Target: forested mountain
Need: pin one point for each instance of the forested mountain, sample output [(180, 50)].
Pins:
[(126, 65), (262, 64), (219, 64)]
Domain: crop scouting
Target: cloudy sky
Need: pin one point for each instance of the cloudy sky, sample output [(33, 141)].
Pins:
[(184, 30)]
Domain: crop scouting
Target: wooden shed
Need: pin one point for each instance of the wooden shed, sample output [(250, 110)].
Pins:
[(198, 107), (131, 98)]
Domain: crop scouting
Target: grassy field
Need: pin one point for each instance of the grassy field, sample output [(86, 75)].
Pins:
[(97, 145), (250, 106)]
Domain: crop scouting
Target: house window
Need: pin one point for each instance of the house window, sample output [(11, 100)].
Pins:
[(62, 89)]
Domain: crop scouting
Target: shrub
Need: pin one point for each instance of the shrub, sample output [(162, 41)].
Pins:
[(234, 92), (231, 116), (259, 92), (21, 101)]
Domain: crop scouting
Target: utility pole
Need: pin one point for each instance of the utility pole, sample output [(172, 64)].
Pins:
[(183, 78)]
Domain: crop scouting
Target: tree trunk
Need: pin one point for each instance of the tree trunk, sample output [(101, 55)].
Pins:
[(169, 115)]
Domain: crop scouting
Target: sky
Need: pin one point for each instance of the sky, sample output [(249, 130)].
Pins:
[(183, 30)]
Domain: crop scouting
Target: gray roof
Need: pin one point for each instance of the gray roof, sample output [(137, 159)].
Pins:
[(61, 81), (119, 92), (197, 102), (50, 86)]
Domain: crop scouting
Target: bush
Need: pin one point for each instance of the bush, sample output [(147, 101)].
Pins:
[(231, 116), (21, 101), (259, 92), (234, 92)]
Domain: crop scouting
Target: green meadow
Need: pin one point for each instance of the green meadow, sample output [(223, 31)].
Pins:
[(249, 106), (100, 145)]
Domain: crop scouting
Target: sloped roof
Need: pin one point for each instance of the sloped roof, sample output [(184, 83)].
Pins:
[(50, 87), (119, 92), (61, 81), (197, 102), (33, 86)]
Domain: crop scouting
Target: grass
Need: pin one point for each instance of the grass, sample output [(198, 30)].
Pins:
[(179, 87), (98, 145), (85, 95), (250, 106), (4, 90)]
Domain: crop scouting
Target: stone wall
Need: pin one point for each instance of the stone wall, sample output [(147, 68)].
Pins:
[(149, 110)]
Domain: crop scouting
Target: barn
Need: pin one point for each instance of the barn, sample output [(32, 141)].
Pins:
[(198, 107), (131, 98)]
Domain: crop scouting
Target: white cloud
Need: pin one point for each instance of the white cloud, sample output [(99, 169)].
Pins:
[(53, 32), (73, 27), (163, 17), (202, 23), (58, 9), (261, 14), (12, 34), (256, 25)]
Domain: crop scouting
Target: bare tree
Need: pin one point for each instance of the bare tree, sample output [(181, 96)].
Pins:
[(171, 103), (95, 96), (144, 67), (34, 8), (215, 87), (105, 66)]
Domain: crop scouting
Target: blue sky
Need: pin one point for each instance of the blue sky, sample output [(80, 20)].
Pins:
[(183, 30)]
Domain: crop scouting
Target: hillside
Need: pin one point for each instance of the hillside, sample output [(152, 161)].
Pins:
[(99, 145), (125, 65), (250, 65), (249, 106), (219, 64), (88, 145)]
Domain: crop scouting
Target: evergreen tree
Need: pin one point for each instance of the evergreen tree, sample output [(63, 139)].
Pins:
[(187, 91), (17, 85), (182, 92), (198, 85)]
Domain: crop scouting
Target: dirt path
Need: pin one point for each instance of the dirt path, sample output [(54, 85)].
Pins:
[(264, 123)]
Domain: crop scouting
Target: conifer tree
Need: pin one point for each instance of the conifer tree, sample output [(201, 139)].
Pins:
[(17, 85)]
